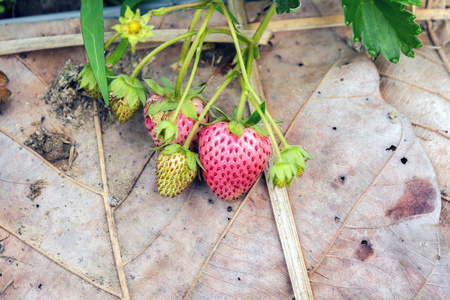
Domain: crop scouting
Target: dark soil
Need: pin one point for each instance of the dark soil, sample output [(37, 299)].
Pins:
[(54, 147)]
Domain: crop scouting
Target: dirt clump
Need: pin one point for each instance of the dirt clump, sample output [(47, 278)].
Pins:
[(68, 102), (54, 147), (35, 189)]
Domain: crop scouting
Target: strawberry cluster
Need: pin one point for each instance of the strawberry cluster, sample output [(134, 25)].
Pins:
[(230, 153)]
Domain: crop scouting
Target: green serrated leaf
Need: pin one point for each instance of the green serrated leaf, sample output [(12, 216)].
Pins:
[(161, 105), (91, 19), (287, 6), (236, 128), (255, 118), (166, 82), (383, 25), (189, 110)]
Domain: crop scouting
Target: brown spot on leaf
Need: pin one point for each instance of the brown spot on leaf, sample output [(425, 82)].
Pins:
[(418, 198), (364, 250)]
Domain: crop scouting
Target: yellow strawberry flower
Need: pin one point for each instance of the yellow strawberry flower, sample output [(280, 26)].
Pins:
[(133, 27)]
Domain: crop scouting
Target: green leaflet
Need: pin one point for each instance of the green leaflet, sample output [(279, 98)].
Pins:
[(410, 2), (383, 25), (287, 6), (255, 117), (189, 110), (161, 105), (117, 53), (91, 19)]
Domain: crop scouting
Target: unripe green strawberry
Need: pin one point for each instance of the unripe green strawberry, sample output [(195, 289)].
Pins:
[(126, 97), (176, 168), (121, 110)]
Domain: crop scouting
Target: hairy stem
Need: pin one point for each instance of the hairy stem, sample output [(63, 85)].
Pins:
[(241, 107), (156, 51), (192, 50), (187, 41), (206, 109)]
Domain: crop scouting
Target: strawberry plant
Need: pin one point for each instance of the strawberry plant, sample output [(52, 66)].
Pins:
[(233, 151)]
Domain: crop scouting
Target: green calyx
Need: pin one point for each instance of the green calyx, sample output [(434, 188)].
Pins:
[(169, 90), (282, 173), (192, 158), (167, 131), (88, 83), (297, 156), (236, 127), (133, 93)]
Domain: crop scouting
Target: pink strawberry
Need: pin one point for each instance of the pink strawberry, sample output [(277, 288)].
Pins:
[(184, 124), (232, 163)]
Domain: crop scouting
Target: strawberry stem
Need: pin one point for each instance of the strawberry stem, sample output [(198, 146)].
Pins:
[(192, 50), (111, 39), (269, 129), (206, 109), (241, 107), (156, 50), (243, 68), (191, 78), (187, 41)]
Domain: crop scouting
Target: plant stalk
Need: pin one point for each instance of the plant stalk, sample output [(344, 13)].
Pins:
[(192, 50), (187, 41), (191, 78), (156, 51), (206, 109), (243, 68), (111, 39)]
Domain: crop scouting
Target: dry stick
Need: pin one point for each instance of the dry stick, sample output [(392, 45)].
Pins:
[(432, 129), (72, 40), (135, 180), (435, 41), (109, 212), (4, 289), (416, 85), (428, 57), (219, 240), (59, 263), (445, 198), (279, 198), (59, 172)]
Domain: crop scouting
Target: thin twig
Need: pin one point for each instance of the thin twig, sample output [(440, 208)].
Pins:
[(5, 287), (109, 212), (432, 129), (59, 263), (445, 198), (59, 172), (428, 57), (435, 41), (416, 85)]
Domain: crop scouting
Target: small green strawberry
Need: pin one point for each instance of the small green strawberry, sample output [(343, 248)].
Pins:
[(282, 173), (87, 81), (126, 97), (176, 168)]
